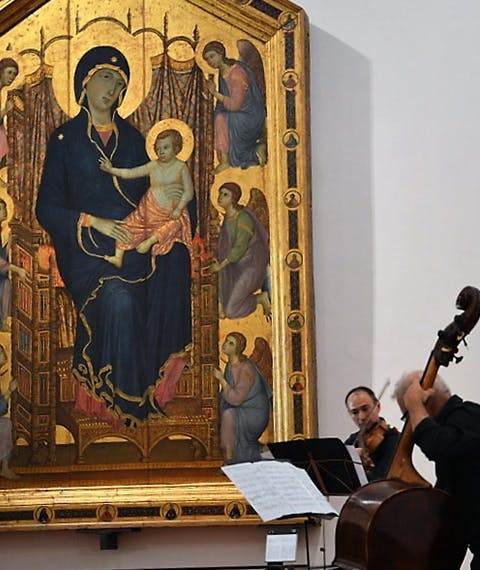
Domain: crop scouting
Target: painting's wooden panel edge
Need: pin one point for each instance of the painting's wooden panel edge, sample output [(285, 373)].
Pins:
[(14, 12)]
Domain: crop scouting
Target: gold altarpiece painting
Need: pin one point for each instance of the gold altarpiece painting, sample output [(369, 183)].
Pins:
[(157, 314)]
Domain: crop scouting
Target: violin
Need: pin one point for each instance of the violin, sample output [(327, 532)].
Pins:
[(370, 440), (370, 437)]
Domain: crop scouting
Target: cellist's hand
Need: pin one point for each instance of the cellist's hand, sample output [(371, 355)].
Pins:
[(415, 401), (416, 395)]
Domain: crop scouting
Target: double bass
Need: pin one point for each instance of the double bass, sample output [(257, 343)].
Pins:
[(402, 523)]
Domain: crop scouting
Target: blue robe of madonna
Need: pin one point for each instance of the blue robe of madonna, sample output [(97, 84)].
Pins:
[(130, 320)]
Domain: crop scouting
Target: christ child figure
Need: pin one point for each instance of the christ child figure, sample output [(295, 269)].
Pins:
[(161, 218)]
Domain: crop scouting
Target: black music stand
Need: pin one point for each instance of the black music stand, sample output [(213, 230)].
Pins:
[(326, 460)]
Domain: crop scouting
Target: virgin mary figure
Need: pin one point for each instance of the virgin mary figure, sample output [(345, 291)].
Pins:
[(134, 322)]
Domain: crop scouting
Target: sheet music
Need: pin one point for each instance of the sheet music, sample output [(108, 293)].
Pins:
[(277, 488), (357, 463), (281, 547)]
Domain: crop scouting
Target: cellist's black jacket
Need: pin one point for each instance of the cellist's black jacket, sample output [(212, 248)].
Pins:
[(452, 441)]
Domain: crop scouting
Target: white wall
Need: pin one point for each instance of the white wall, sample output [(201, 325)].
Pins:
[(402, 78), (395, 133), (407, 90)]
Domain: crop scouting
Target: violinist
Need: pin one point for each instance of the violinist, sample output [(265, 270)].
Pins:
[(447, 430), (375, 440)]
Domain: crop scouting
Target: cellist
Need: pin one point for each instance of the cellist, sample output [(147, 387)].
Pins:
[(375, 439), (447, 430), (402, 523)]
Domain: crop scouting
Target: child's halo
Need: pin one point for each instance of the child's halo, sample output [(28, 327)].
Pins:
[(166, 124)]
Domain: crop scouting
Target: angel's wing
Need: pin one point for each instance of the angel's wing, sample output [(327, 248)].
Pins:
[(250, 56), (262, 356), (258, 205)]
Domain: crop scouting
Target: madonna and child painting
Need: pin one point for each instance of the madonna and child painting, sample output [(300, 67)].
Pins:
[(144, 259)]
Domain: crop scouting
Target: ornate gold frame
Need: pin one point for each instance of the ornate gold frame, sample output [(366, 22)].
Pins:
[(169, 494)]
